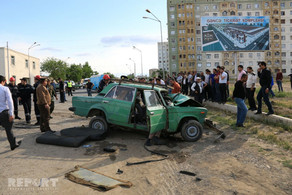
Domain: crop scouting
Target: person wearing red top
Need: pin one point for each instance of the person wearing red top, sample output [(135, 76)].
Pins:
[(279, 79), (175, 85)]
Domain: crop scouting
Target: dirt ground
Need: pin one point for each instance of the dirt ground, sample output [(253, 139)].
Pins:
[(240, 164)]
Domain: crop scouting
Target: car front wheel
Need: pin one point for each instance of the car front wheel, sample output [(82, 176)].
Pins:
[(191, 131), (99, 123)]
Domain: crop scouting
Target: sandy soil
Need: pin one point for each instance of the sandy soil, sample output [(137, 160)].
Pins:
[(232, 166)]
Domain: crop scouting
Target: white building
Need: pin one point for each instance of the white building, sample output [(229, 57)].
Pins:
[(18, 65), (163, 56)]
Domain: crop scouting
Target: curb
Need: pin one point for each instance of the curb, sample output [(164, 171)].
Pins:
[(271, 119)]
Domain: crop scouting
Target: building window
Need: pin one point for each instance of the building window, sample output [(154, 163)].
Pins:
[(257, 14), (282, 13), (208, 56), (248, 6), (208, 64), (239, 6), (232, 13), (172, 32), (239, 13), (215, 14), (248, 13), (258, 54), (283, 54), (256, 6), (283, 46), (241, 55), (283, 21), (13, 60), (33, 65), (282, 5), (224, 13), (199, 65), (283, 62), (217, 64), (250, 55), (199, 57), (216, 56), (226, 63), (215, 7), (171, 8), (198, 32), (283, 70), (283, 29)]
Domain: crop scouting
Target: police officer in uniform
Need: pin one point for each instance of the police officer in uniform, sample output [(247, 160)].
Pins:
[(25, 90), (36, 109), (69, 86), (14, 92)]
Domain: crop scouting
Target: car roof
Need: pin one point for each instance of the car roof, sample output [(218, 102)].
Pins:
[(139, 86)]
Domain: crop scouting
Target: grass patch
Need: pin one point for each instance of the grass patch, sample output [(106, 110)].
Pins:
[(287, 163), (273, 139)]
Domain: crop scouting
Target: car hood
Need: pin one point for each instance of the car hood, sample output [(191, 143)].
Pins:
[(184, 101)]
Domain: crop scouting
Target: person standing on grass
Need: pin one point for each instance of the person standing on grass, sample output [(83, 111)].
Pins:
[(265, 81), (250, 88), (239, 96), (222, 85), (279, 78), (6, 113), (218, 94), (240, 72)]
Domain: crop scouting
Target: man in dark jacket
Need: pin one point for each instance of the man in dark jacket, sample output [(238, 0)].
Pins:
[(103, 83), (61, 89), (25, 90), (14, 92), (239, 96), (265, 81), (36, 109)]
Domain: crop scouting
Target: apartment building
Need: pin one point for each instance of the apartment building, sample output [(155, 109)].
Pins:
[(185, 35), (18, 65), (163, 56)]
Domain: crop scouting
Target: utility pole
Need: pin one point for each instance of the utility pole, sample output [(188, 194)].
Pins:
[(8, 65)]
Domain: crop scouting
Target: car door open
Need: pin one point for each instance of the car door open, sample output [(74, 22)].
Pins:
[(156, 113)]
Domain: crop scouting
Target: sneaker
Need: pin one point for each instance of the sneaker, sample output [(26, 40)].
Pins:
[(240, 125), (258, 112), (17, 117)]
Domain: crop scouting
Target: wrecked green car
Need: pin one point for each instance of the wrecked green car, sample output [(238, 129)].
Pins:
[(142, 107)]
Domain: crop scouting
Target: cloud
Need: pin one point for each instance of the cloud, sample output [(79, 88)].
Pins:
[(128, 40), (83, 54), (50, 49)]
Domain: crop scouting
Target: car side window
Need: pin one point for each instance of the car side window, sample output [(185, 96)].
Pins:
[(151, 99), (124, 93), (121, 93), (111, 93)]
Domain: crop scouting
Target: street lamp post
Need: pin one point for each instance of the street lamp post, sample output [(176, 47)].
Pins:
[(134, 66), (141, 59), (32, 46), (157, 20)]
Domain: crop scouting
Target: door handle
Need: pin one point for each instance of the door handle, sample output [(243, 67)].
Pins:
[(104, 101), (151, 113)]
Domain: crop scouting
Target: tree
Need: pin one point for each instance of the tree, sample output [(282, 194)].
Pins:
[(131, 76), (110, 74), (87, 71), (75, 72), (56, 68)]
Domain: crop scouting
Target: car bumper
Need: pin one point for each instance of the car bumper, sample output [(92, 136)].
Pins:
[(73, 109)]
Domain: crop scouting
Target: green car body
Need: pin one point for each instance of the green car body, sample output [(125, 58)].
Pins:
[(117, 105)]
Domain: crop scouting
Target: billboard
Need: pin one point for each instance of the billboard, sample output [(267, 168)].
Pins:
[(235, 33)]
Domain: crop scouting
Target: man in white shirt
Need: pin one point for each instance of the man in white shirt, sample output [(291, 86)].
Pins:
[(179, 79), (250, 88), (6, 113), (222, 85)]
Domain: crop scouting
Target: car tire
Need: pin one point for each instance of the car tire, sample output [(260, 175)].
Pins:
[(99, 123), (191, 131)]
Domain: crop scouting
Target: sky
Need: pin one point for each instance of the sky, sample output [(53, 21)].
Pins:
[(100, 32)]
